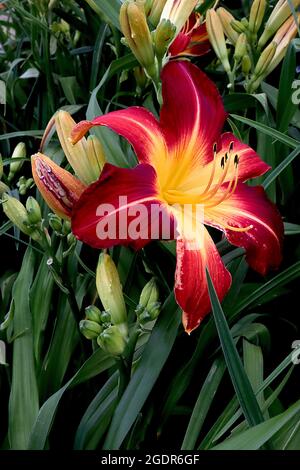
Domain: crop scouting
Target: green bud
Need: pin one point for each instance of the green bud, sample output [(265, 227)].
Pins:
[(110, 290), (246, 64), (240, 48), (19, 152), (154, 310), (163, 36), (149, 294), (17, 213), (238, 26), (144, 318), (90, 329), (34, 210), (93, 313), (105, 317), (55, 223), (71, 240), (113, 340), (66, 228), (29, 183)]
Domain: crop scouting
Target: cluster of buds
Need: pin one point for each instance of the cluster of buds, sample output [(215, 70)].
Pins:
[(60, 188), (150, 27), (28, 219), (148, 308), (252, 55), (110, 327)]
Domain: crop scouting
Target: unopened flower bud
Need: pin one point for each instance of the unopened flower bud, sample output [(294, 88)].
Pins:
[(246, 64), (257, 14), (140, 77), (240, 48), (71, 240), (155, 10), (149, 294), (238, 26), (66, 228), (110, 290), (15, 166), (60, 189), (96, 155), (113, 340), (137, 34), (82, 156), (55, 223), (282, 38), (265, 59), (34, 210), (18, 215), (216, 37), (90, 329), (279, 15), (105, 317), (3, 188), (93, 313), (226, 19), (163, 36)]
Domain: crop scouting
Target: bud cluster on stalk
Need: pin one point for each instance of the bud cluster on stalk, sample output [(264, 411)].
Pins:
[(110, 326), (256, 44), (150, 26)]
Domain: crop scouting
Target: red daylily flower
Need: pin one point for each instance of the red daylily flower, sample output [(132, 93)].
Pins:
[(192, 40), (184, 159)]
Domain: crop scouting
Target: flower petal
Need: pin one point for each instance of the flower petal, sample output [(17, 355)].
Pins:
[(249, 206), (137, 125), (191, 289), (192, 114), (122, 207)]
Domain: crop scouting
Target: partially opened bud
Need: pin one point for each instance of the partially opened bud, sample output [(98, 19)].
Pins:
[(257, 13), (15, 166), (59, 188), (136, 32), (110, 290), (178, 12), (113, 340), (216, 37), (155, 11), (33, 210), (16, 212), (90, 329), (240, 48), (279, 15), (226, 19), (81, 155)]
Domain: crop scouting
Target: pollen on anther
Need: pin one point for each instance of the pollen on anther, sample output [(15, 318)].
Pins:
[(222, 162), (231, 146)]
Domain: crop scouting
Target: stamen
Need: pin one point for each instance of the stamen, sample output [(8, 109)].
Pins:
[(223, 163), (236, 229), (231, 146)]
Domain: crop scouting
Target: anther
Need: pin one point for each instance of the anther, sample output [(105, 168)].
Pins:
[(223, 163), (236, 160), (215, 147), (231, 146), (226, 157)]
